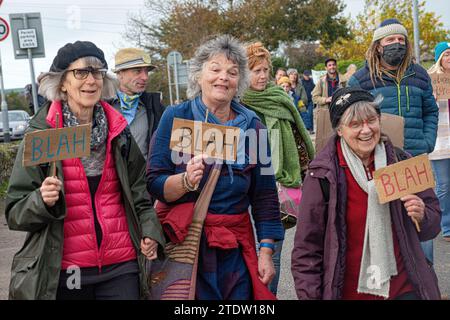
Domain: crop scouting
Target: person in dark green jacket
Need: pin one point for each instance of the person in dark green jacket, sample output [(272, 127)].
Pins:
[(91, 227)]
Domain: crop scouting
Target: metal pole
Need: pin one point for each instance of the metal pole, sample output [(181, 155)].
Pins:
[(170, 83), (175, 68), (5, 121), (33, 78), (416, 31)]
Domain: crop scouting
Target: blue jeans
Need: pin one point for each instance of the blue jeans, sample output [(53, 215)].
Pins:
[(276, 258), (308, 117), (427, 247), (441, 170)]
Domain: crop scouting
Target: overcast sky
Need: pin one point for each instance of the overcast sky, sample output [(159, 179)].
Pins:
[(102, 22)]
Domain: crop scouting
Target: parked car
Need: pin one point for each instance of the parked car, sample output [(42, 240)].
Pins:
[(18, 123)]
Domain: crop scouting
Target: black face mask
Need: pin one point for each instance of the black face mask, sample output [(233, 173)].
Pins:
[(394, 53)]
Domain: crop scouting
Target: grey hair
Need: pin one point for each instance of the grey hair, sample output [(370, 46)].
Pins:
[(222, 45), (360, 111), (51, 82), (291, 70)]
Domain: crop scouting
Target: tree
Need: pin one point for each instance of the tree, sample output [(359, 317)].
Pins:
[(183, 25), (304, 56), (432, 29), (17, 101)]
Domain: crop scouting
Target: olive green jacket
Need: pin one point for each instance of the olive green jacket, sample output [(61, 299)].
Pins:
[(36, 266)]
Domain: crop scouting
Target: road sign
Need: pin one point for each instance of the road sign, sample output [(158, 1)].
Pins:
[(174, 57), (28, 39), (4, 29), (182, 74), (23, 38)]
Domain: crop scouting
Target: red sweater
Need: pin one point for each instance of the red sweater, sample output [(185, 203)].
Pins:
[(356, 224)]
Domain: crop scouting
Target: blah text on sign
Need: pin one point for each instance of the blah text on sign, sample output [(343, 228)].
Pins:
[(49, 145), (195, 137), (405, 177)]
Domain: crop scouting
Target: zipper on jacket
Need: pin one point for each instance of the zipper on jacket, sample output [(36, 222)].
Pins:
[(407, 98), (407, 89), (399, 101)]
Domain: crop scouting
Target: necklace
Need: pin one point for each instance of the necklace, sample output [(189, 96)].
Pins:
[(231, 115)]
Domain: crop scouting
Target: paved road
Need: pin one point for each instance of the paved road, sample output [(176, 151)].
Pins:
[(11, 241)]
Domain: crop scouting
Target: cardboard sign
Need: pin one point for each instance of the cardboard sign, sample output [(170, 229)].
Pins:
[(441, 85), (195, 137), (391, 125), (56, 144), (405, 177), (442, 146)]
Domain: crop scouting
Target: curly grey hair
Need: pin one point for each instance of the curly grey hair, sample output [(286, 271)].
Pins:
[(50, 82), (221, 45)]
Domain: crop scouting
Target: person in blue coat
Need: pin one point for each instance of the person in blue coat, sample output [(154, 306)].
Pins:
[(405, 87)]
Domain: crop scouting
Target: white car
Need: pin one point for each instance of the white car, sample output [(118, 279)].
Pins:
[(18, 123)]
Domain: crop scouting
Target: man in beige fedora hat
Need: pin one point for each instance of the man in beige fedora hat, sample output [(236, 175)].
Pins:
[(141, 109)]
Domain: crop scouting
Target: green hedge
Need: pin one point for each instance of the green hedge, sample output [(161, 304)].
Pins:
[(8, 152)]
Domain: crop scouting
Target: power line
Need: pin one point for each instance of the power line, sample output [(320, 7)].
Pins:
[(82, 6), (88, 21), (81, 30)]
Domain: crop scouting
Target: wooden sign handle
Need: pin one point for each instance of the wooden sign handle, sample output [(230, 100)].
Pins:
[(416, 223), (53, 174)]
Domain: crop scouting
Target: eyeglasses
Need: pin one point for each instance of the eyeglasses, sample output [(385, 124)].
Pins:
[(81, 74), (358, 125)]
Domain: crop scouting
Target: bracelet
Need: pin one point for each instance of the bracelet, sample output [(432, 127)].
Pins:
[(186, 184), (267, 245)]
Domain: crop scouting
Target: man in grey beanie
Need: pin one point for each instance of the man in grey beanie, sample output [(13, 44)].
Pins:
[(405, 86)]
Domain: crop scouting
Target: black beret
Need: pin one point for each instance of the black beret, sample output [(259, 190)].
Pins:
[(73, 51), (344, 98)]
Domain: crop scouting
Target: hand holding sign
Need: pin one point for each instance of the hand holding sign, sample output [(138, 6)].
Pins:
[(415, 207), (50, 189), (195, 168)]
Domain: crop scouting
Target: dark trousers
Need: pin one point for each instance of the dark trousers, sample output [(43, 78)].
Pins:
[(408, 296), (123, 287)]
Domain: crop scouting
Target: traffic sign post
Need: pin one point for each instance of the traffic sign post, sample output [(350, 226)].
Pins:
[(28, 42), (4, 32), (180, 69)]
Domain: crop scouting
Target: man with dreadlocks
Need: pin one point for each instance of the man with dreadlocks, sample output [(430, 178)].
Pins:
[(406, 88)]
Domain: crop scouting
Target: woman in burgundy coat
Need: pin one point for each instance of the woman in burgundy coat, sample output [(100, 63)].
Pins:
[(348, 245)]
